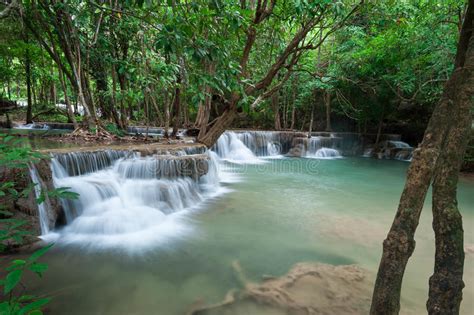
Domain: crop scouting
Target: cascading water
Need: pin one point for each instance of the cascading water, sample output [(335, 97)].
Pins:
[(230, 147), (399, 144), (319, 147), (144, 130), (42, 207), (132, 202), (128, 201), (404, 156), (248, 146), (33, 126)]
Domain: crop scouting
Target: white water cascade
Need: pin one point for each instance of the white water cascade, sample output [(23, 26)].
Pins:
[(42, 207), (319, 147), (33, 126), (399, 144), (230, 147), (249, 146), (131, 202), (405, 151)]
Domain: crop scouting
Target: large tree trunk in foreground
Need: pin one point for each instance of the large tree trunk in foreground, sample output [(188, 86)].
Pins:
[(220, 125), (446, 283), (400, 243), (204, 113)]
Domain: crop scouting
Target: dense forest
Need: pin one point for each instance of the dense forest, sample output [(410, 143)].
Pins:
[(151, 150), (320, 65)]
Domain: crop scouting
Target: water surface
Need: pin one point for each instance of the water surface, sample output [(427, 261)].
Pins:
[(278, 213)]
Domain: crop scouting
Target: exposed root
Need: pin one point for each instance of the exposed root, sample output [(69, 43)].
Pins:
[(100, 134), (306, 289)]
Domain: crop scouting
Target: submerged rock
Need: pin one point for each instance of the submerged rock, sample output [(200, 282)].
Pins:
[(308, 288)]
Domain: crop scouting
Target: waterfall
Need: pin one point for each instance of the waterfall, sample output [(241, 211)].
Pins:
[(249, 146), (368, 152), (42, 207), (327, 153), (79, 163), (231, 147), (404, 155), (143, 130), (398, 144), (131, 202), (34, 126), (320, 147)]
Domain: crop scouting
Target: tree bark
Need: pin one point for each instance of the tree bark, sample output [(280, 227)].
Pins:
[(400, 243), (311, 122), (29, 108), (176, 107), (70, 110), (446, 283), (293, 104), (379, 129), (327, 101), (276, 110), (157, 109), (220, 125), (167, 114)]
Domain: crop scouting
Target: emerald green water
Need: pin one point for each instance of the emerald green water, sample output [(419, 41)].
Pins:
[(282, 212)]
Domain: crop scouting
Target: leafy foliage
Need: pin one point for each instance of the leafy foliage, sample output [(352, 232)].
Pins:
[(13, 155)]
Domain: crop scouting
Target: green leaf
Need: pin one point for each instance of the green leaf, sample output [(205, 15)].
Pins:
[(25, 298), (5, 308), (6, 213), (34, 307), (12, 279), (16, 264), (40, 252), (38, 268)]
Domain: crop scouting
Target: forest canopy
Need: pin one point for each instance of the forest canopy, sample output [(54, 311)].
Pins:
[(261, 64)]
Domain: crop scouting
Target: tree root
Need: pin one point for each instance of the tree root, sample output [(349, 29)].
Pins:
[(307, 289)]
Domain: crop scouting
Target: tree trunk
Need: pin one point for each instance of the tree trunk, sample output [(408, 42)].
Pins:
[(185, 115), (446, 283), (167, 114), (122, 117), (276, 110), (70, 111), (54, 94), (176, 108), (311, 122), (293, 116), (293, 104), (9, 89), (18, 90), (29, 109), (218, 128), (400, 243), (327, 102), (379, 129), (205, 113), (285, 112), (157, 109)]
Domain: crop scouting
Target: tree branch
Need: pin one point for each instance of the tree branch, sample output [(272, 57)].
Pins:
[(10, 7)]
